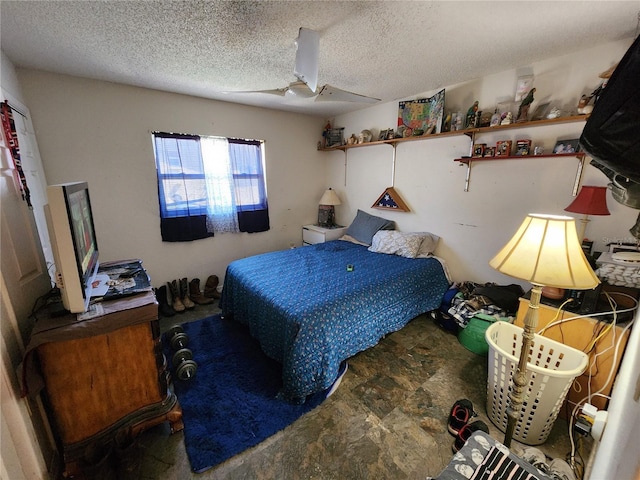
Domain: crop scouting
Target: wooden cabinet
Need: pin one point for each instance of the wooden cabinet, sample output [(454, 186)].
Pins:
[(312, 234), (104, 378), (580, 333)]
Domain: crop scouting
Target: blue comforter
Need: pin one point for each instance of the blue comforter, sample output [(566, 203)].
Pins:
[(310, 312)]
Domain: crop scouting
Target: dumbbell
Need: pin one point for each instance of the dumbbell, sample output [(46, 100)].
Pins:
[(182, 359)]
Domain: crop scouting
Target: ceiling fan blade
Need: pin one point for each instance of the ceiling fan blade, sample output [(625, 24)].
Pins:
[(329, 93), (307, 54), (274, 91)]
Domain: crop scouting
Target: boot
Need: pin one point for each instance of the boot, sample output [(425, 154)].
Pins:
[(196, 294), (211, 287), (164, 308), (184, 294), (177, 304)]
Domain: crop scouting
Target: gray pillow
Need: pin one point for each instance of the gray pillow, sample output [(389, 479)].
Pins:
[(365, 226)]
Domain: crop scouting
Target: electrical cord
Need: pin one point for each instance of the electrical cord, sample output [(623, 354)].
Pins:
[(597, 314), (599, 393), (578, 465)]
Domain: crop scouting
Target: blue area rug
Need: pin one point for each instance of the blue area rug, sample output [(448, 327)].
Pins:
[(231, 404)]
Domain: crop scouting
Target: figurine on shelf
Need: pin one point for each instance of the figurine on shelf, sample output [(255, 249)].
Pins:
[(471, 115), (325, 134), (523, 110), (446, 123), (507, 118), (554, 113), (583, 105)]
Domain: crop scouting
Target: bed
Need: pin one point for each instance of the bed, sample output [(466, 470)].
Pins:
[(313, 307)]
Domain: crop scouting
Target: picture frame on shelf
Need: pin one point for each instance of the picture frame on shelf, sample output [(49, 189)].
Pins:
[(335, 137), (478, 149), (503, 148), (490, 152), (523, 147), (571, 145)]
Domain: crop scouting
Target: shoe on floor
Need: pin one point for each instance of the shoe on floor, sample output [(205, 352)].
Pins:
[(461, 413), (536, 458), (466, 431), (211, 287), (560, 470), (164, 309), (196, 295)]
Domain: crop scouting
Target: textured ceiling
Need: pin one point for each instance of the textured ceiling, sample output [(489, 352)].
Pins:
[(384, 49)]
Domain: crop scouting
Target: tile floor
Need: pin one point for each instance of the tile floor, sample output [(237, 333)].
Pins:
[(387, 420)]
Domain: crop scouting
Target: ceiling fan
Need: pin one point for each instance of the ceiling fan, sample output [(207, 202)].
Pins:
[(306, 71)]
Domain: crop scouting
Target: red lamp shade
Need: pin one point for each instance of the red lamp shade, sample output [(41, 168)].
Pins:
[(590, 201)]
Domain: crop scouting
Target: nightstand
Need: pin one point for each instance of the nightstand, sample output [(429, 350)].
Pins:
[(312, 234)]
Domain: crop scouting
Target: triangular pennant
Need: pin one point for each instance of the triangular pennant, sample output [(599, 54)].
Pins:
[(390, 199)]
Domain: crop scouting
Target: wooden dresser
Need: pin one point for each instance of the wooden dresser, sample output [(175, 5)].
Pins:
[(103, 379)]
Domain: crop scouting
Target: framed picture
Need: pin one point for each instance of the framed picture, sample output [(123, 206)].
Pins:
[(490, 152), (523, 147), (523, 85), (335, 136), (571, 145), (424, 114), (503, 148), (478, 149)]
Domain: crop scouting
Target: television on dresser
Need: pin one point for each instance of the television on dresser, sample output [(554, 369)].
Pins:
[(74, 244)]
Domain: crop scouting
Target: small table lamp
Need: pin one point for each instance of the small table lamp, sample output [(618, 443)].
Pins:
[(590, 200), (326, 210), (545, 251)]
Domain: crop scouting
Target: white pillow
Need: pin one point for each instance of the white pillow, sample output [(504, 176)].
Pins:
[(428, 245), (393, 242)]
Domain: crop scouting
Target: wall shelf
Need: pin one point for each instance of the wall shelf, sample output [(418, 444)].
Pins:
[(467, 160), (471, 132)]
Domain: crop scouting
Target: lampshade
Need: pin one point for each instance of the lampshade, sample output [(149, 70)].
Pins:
[(546, 251), (590, 200), (330, 197)]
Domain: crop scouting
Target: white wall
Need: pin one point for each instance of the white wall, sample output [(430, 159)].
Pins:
[(474, 225), (101, 132)]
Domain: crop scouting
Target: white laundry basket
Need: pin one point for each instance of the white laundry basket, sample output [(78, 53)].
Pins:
[(551, 369)]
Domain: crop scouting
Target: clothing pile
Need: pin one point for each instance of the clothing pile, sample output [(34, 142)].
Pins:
[(464, 301)]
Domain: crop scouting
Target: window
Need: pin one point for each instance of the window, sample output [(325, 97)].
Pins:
[(209, 185)]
